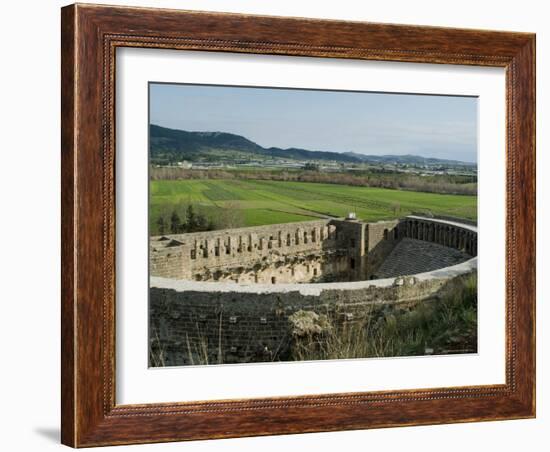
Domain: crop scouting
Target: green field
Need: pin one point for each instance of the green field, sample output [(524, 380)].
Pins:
[(269, 202)]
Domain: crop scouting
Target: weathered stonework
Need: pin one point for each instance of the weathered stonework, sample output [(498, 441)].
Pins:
[(213, 298), (296, 252)]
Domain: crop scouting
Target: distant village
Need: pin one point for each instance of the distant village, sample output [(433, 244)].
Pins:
[(418, 169)]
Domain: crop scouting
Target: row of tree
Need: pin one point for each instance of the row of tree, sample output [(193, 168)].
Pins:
[(450, 184), (189, 217), (191, 222)]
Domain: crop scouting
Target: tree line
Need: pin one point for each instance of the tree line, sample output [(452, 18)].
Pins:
[(185, 218), (191, 222), (448, 184)]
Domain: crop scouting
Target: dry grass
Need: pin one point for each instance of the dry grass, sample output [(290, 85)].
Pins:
[(444, 326)]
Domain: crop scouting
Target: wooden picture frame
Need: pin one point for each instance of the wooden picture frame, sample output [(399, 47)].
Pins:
[(90, 36)]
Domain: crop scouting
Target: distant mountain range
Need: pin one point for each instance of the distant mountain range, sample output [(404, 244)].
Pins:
[(406, 159), (172, 145)]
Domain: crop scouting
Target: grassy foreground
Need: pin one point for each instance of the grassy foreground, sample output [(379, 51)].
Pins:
[(261, 202), (446, 326)]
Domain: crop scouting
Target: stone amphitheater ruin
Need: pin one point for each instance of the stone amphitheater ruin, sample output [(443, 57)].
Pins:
[(228, 295)]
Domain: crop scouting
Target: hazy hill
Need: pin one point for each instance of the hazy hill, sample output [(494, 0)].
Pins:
[(172, 145), (406, 159)]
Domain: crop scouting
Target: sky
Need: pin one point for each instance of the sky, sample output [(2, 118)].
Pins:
[(339, 121)]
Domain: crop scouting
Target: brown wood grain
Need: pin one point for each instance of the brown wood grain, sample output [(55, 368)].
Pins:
[(90, 36), (67, 226)]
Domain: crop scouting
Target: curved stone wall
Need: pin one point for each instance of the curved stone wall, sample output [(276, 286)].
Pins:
[(446, 232), (194, 322), (312, 251)]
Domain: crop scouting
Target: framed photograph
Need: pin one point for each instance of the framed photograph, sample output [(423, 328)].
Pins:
[(282, 225)]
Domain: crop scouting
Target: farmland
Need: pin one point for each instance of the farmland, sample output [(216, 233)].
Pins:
[(260, 202)]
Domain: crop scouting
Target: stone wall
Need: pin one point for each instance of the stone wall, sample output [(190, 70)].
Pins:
[(312, 251), (193, 323), (450, 233), (322, 250), (226, 296), (380, 241)]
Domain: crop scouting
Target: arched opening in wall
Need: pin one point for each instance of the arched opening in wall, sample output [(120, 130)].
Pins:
[(352, 263), (256, 277), (288, 242), (193, 254), (273, 280), (469, 244), (305, 237), (217, 251), (315, 272), (385, 234), (395, 233), (297, 238), (313, 235)]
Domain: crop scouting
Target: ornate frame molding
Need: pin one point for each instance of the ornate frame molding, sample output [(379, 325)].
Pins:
[(90, 37)]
